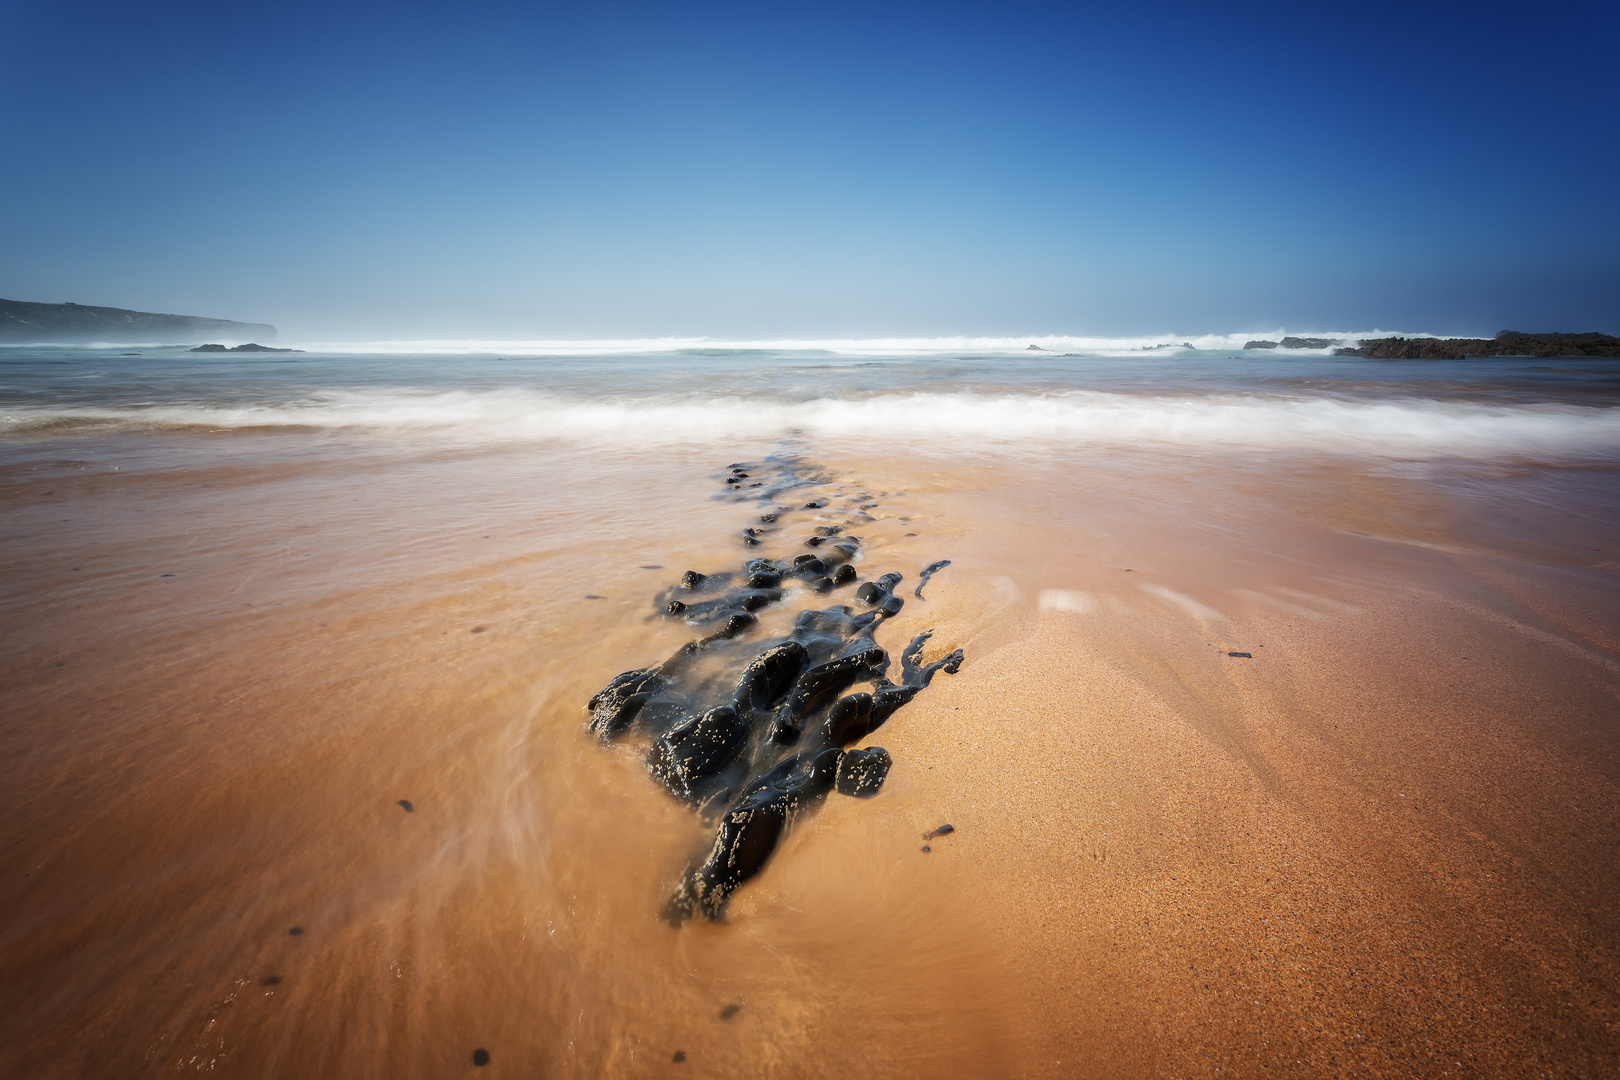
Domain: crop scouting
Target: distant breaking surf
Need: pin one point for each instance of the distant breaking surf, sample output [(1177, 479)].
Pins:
[(1399, 427)]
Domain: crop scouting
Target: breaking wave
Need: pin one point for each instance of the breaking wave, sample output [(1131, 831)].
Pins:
[(892, 346), (1404, 427)]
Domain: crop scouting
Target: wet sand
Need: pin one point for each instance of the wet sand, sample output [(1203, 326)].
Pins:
[(1382, 845)]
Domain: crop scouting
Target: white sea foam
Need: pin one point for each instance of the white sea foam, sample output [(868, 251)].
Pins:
[(893, 346), (1405, 427)]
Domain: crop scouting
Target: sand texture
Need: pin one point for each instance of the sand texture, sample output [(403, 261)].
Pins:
[(1383, 844)]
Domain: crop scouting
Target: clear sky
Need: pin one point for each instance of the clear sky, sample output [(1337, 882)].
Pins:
[(816, 169)]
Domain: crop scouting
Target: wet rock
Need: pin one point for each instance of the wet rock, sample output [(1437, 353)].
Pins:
[(405, 805), (769, 676), (943, 830), (861, 772), (749, 832), (692, 580), (480, 1057), (1244, 655), (825, 681), (815, 541), (675, 607), (616, 706), (849, 720), (694, 751), (843, 575), (678, 1057), (929, 571), (1260, 344)]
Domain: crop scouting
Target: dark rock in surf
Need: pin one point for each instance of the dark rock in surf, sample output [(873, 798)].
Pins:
[(929, 571), (768, 677), (694, 751), (616, 706), (1506, 343), (749, 832), (849, 720), (861, 772)]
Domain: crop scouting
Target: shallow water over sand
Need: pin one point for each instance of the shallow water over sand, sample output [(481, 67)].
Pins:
[(1381, 843)]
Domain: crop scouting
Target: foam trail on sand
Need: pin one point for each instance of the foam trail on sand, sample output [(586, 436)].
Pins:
[(1411, 427)]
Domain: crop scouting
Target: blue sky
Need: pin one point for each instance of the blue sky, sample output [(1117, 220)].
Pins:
[(813, 170)]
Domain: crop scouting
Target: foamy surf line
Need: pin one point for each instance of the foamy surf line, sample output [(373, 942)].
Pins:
[(1410, 427), (900, 347)]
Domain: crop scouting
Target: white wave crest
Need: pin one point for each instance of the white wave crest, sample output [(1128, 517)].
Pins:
[(1398, 427), (891, 346)]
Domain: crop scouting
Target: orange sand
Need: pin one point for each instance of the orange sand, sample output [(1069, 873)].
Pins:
[(1384, 845)]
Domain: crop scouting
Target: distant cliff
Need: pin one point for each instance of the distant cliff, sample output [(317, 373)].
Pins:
[(1507, 343), (21, 321)]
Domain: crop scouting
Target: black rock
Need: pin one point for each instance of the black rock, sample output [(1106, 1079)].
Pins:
[(849, 720), (616, 706), (929, 571), (692, 580), (943, 830), (825, 681), (692, 752), (861, 772), (1506, 343), (750, 829), (769, 676), (1259, 344)]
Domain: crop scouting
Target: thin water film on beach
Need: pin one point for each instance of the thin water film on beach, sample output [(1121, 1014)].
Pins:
[(753, 732)]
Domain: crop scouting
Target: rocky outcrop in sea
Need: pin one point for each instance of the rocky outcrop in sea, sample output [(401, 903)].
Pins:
[(1506, 343)]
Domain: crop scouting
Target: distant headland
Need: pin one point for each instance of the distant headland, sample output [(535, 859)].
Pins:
[(24, 322)]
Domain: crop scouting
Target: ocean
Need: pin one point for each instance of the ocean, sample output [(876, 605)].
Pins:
[(1285, 705)]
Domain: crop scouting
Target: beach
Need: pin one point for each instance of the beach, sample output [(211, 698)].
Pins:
[(1284, 740)]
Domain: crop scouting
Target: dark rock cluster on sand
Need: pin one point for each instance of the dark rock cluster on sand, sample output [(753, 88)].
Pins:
[(1506, 343), (753, 732)]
